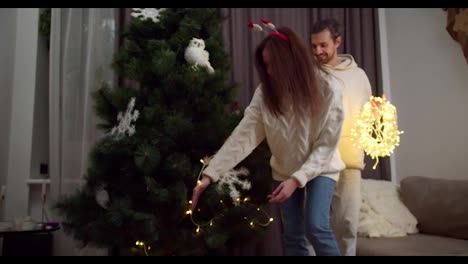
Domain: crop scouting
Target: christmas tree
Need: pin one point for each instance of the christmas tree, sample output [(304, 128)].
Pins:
[(158, 138)]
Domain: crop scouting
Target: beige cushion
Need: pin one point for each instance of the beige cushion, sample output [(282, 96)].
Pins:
[(382, 213), (412, 245), (439, 205)]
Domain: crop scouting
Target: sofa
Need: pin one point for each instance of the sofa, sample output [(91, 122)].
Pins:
[(440, 207)]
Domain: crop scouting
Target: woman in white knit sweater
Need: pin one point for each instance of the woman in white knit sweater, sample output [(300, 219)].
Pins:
[(298, 109)]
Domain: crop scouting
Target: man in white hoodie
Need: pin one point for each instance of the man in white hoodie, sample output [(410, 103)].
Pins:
[(346, 203)]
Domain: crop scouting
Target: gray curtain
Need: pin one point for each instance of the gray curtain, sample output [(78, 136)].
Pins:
[(240, 42), (360, 33), (359, 29)]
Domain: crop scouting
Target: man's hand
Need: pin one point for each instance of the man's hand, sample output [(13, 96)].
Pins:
[(283, 191), (199, 189)]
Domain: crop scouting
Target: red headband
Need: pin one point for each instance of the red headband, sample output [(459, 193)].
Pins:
[(280, 35), (269, 25)]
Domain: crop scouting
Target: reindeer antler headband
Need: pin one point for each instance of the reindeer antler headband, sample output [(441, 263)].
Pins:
[(269, 25)]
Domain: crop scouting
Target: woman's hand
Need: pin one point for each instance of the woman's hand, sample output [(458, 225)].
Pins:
[(199, 189), (283, 191)]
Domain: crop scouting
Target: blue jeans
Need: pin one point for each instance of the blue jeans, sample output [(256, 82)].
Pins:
[(306, 216)]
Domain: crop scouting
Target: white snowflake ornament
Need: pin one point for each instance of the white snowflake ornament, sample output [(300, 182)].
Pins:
[(147, 13), (125, 121), (231, 179)]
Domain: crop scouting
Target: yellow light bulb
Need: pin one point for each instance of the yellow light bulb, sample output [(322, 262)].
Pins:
[(188, 212), (190, 202), (139, 243), (198, 229), (271, 219)]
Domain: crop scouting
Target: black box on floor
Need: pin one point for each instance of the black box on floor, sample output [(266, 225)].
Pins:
[(27, 244)]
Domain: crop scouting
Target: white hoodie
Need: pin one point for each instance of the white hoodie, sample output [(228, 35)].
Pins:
[(302, 147), (356, 92)]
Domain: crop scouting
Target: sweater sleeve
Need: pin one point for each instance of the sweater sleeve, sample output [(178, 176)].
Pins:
[(326, 144), (248, 134)]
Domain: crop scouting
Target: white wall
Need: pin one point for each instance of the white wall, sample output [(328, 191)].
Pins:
[(22, 112), (27, 74), (429, 87), (7, 51)]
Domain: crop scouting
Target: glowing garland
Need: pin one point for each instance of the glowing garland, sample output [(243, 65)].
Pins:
[(252, 222), (205, 161), (142, 244), (375, 129)]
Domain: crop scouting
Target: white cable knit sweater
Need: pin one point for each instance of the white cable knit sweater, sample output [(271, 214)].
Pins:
[(303, 147), (356, 92)]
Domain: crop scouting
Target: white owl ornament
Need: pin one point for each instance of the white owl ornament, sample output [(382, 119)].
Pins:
[(197, 56)]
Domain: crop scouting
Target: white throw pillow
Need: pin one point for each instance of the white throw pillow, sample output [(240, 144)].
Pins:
[(383, 214)]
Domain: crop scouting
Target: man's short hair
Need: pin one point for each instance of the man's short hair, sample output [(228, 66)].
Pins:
[(331, 24)]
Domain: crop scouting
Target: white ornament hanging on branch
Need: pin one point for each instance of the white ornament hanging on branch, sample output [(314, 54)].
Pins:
[(147, 13), (102, 198), (232, 179), (125, 121), (197, 56), (376, 129)]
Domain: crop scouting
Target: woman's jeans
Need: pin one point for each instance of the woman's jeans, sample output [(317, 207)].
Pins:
[(306, 216)]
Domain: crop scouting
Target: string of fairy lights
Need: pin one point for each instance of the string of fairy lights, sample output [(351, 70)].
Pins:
[(376, 129), (252, 223)]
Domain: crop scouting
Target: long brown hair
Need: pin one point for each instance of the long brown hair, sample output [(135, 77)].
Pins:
[(294, 78)]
